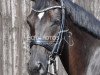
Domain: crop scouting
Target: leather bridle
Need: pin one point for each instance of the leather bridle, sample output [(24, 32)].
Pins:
[(57, 46)]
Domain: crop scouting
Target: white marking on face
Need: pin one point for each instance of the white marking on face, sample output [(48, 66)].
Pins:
[(40, 15)]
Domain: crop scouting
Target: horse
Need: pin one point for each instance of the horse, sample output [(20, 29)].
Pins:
[(79, 52)]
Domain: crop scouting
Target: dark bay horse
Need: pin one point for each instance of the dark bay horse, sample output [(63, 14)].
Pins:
[(83, 58)]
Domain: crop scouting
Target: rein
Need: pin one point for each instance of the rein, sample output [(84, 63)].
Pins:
[(57, 46)]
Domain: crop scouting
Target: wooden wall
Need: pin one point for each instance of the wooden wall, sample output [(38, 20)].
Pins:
[(14, 33)]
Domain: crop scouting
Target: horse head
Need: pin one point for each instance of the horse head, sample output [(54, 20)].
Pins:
[(43, 25)]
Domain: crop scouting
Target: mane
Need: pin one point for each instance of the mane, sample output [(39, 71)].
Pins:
[(83, 19)]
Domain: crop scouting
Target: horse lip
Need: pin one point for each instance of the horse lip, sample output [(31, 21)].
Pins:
[(43, 70)]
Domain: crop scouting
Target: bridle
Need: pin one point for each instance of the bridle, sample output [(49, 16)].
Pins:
[(57, 46)]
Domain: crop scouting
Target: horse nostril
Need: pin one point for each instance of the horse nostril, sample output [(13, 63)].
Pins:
[(38, 66)]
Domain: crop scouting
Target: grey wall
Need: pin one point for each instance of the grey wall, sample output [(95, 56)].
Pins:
[(14, 33)]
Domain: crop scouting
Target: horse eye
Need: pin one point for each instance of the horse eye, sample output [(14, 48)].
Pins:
[(56, 22)]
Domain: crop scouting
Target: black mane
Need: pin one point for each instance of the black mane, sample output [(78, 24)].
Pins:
[(83, 18)]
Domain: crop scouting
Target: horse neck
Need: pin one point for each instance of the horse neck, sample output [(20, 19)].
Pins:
[(75, 58)]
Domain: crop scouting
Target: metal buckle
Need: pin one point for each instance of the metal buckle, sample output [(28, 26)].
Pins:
[(52, 69)]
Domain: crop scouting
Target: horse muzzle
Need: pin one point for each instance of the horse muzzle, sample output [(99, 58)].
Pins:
[(37, 69)]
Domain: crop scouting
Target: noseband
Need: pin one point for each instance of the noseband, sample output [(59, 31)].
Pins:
[(57, 46)]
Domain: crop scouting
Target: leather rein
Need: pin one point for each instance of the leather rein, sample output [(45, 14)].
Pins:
[(57, 46)]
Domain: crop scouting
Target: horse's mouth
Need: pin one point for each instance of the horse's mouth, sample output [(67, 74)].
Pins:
[(41, 70)]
